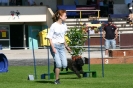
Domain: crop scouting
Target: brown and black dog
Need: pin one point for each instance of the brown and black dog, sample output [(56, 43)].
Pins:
[(75, 66)]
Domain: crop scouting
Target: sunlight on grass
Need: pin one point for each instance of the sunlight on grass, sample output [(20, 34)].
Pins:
[(115, 76)]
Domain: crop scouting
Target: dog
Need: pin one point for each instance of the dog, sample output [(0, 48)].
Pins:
[(75, 66)]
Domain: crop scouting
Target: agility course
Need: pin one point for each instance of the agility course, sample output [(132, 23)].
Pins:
[(86, 73), (3, 63), (116, 75), (89, 61)]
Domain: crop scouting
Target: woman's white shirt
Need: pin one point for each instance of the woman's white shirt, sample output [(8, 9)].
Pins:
[(57, 32)]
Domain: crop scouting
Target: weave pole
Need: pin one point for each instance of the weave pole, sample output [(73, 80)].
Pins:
[(88, 51), (48, 57), (33, 53), (100, 29)]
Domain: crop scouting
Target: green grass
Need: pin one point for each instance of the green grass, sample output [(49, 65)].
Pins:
[(115, 76)]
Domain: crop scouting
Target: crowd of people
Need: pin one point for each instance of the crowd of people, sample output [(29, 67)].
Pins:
[(106, 7), (33, 3)]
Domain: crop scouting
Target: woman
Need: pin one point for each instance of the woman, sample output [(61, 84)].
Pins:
[(57, 42)]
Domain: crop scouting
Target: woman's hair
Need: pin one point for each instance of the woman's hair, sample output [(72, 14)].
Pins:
[(57, 15)]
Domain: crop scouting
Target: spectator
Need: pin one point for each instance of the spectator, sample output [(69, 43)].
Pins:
[(130, 7), (34, 4), (18, 3), (12, 2), (101, 7), (110, 4), (127, 2), (93, 1), (109, 35), (41, 3), (3, 2), (91, 31), (31, 2), (88, 2), (105, 2)]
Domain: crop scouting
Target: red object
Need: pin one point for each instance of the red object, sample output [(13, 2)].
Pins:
[(76, 57), (3, 30), (12, 14)]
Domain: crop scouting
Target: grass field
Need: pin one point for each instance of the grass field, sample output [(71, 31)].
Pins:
[(115, 76)]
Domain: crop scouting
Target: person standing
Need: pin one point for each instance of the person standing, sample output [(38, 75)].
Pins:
[(131, 7), (110, 5), (4, 2), (57, 42), (110, 34), (128, 2), (12, 2), (88, 2), (101, 7), (41, 3), (31, 2), (18, 2)]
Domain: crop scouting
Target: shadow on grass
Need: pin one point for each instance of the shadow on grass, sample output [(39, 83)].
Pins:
[(45, 81), (71, 78)]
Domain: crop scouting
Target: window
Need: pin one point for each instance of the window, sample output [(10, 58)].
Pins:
[(4, 36)]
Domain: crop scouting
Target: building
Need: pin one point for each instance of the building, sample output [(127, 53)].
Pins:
[(20, 23), (17, 31)]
